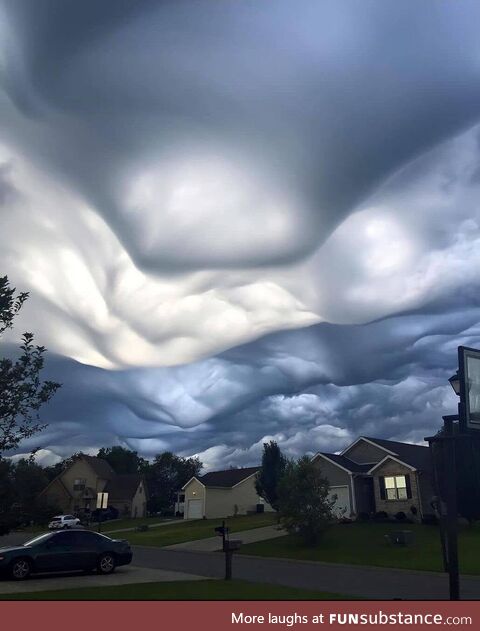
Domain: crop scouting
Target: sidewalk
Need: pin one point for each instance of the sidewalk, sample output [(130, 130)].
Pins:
[(212, 544), (124, 575)]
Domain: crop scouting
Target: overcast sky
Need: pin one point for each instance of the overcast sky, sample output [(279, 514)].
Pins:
[(242, 220)]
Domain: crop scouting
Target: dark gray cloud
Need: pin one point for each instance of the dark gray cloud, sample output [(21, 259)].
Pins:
[(310, 389), (290, 115), (195, 180)]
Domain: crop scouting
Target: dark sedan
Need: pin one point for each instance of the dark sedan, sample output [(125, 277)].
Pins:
[(64, 551)]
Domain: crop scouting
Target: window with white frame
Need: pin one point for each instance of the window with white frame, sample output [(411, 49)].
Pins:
[(396, 487)]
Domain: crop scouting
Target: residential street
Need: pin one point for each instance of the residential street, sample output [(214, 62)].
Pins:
[(367, 582)]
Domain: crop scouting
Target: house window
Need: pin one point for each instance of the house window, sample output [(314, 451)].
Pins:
[(79, 484), (396, 487)]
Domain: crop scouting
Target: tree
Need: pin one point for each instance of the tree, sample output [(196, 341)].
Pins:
[(7, 496), (273, 468), (22, 393), (305, 508), (122, 460), (166, 476)]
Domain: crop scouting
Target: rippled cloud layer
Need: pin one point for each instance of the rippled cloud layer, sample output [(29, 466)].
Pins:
[(239, 221)]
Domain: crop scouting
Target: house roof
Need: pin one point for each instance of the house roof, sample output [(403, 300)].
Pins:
[(123, 487), (417, 456), (101, 467), (346, 463), (227, 478)]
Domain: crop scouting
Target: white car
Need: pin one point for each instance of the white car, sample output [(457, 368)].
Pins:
[(63, 521)]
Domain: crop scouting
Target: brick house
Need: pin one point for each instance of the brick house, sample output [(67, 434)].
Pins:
[(374, 474)]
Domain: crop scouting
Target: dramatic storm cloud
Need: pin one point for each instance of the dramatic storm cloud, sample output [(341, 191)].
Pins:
[(242, 220)]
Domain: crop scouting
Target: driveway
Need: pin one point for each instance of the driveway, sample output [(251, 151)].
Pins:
[(212, 544), (367, 582), (122, 576)]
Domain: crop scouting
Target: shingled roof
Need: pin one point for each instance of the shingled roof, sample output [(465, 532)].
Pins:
[(227, 478), (346, 463), (123, 487)]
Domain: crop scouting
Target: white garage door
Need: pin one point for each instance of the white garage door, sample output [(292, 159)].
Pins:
[(195, 509), (342, 503)]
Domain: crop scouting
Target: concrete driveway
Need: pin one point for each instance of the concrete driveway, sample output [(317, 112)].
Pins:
[(122, 576)]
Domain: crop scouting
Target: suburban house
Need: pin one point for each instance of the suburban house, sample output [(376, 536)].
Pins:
[(373, 475), (75, 489), (222, 494)]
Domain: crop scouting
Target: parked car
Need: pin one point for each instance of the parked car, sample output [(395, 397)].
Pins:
[(62, 551), (63, 521), (104, 514)]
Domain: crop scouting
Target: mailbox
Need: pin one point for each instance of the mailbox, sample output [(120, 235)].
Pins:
[(221, 530), (232, 545)]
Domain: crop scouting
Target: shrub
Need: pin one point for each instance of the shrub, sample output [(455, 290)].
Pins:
[(381, 516), (363, 516), (400, 516)]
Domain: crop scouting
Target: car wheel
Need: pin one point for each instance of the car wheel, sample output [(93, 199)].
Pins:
[(106, 563), (20, 569)]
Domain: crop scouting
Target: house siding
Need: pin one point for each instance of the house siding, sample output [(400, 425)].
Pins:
[(134, 507), (57, 496), (364, 453), (238, 500), (194, 490), (336, 477), (391, 507)]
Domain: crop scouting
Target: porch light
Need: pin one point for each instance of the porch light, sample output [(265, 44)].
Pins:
[(455, 383)]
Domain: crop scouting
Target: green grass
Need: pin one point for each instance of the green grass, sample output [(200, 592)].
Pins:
[(119, 524), (184, 590), (198, 529), (365, 544), (106, 526)]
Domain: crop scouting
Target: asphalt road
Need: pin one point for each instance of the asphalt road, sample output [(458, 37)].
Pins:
[(368, 582)]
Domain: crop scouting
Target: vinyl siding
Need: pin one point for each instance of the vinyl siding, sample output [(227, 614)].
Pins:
[(364, 453)]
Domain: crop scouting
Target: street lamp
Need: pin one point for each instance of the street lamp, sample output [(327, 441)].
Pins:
[(455, 383)]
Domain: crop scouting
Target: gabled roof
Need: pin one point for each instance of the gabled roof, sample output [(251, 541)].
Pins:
[(417, 456), (389, 458), (101, 467), (345, 463), (227, 478), (123, 487)]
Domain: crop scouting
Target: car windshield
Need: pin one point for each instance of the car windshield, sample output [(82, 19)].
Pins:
[(38, 539)]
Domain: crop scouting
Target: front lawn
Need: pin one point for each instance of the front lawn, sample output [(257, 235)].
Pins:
[(120, 524), (107, 526), (180, 590), (365, 544), (197, 529)]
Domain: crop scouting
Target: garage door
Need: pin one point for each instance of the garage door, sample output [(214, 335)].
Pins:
[(341, 507), (195, 509)]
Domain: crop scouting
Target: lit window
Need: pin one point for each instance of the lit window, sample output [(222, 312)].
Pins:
[(396, 487)]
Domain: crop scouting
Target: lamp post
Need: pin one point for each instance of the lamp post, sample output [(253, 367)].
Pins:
[(466, 385)]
